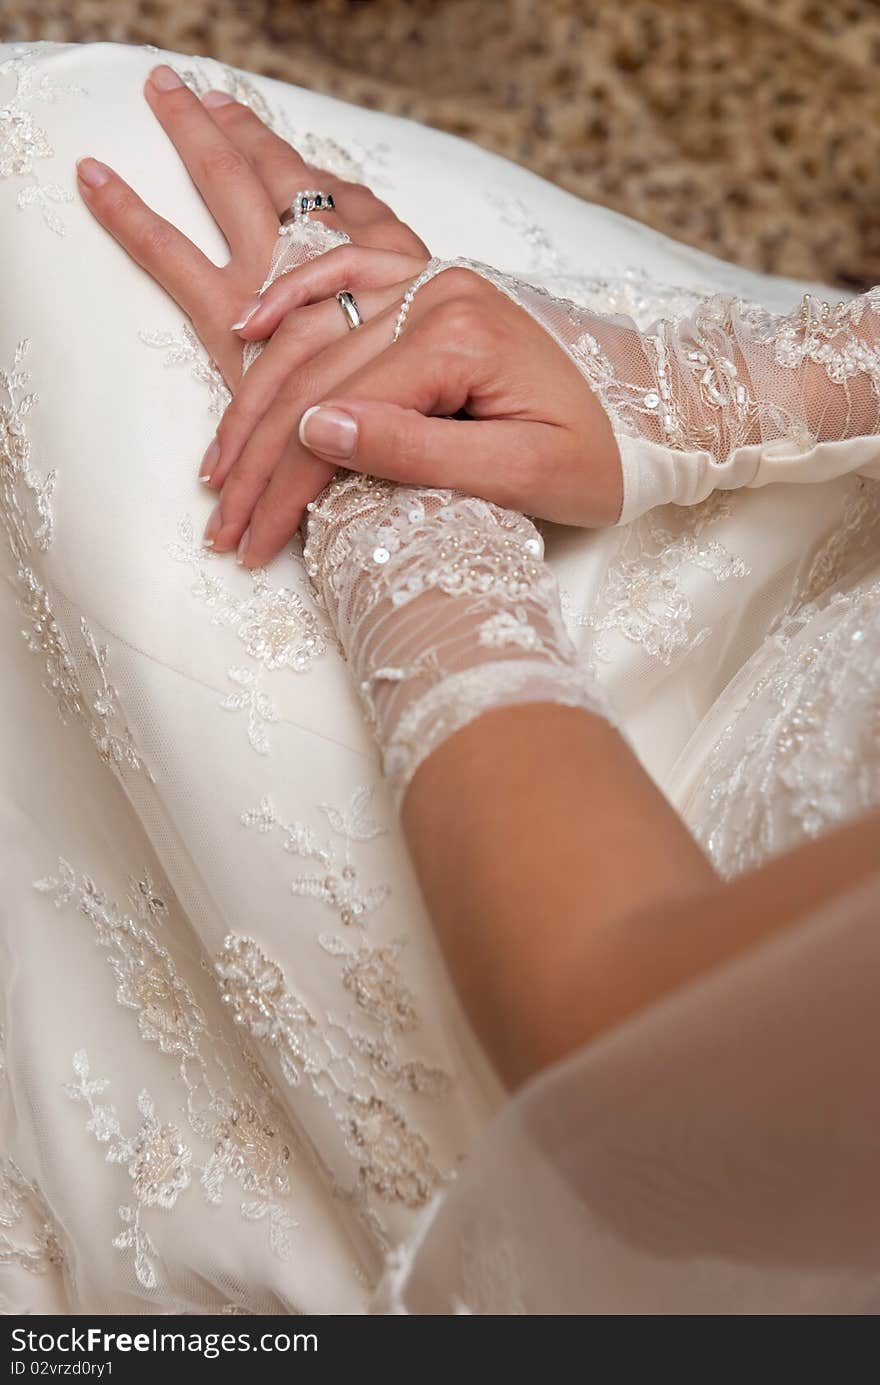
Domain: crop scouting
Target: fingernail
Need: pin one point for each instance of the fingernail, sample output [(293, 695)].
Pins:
[(209, 461), (329, 431), (249, 310), (92, 173), (218, 98), (243, 546), (165, 78), (212, 528)]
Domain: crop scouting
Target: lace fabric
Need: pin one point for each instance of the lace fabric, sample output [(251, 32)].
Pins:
[(726, 396), (445, 609)]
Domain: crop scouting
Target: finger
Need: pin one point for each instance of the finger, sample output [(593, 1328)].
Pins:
[(150, 240), (489, 458), (397, 234), (232, 190), (276, 163), (358, 211), (252, 477), (279, 511), (456, 358), (303, 334), (384, 419), (347, 267)]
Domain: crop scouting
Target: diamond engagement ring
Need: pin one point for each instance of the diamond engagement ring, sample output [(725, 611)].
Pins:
[(303, 204), (350, 309)]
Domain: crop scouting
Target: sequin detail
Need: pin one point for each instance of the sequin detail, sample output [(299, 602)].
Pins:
[(78, 678), (644, 593), (186, 349), (393, 1161), (280, 629), (24, 144), (229, 1110), (484, 627), (802, 751), (29, 1237)]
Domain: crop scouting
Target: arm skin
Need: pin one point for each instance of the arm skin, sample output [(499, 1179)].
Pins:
[(567, 893)]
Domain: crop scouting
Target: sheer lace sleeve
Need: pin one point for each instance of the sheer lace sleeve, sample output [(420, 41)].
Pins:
[(444, 608), (733, 396)]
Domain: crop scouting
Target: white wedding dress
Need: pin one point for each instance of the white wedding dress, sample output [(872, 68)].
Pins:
[(236, 1076)]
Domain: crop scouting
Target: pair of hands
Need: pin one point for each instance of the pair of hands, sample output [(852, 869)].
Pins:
[(531, 422)]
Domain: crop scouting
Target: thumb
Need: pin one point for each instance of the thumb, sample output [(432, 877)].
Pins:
[(495, 459)]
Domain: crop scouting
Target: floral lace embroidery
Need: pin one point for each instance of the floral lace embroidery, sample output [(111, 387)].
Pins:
[(349, 1067), (370, 974), (253, 700), (375, 549), (247, 1135), (355, 162), (826, 334), (643, 597), (155, 1158), (732, 375), (186, 349), (393, 1161), (25, 498), (110, 735), (82, 691), (631, 291), (22, 1204), (280, 629), (23, 143), (509, 628), (338, 886), (855, 538), (235, 83), (803, 752)]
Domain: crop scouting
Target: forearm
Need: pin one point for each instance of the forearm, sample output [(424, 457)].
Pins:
[(532, 829), (567, 893), (565, 890)]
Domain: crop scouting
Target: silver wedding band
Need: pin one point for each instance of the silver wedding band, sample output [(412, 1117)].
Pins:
[(350, 309)]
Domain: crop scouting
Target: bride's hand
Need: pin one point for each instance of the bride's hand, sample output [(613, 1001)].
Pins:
[(535, 438), (247, 176)]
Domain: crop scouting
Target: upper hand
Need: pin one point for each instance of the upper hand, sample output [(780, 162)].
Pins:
[(247, 176), (535, 438)]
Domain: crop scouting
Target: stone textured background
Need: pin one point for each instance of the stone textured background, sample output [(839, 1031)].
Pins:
[(748, 127)]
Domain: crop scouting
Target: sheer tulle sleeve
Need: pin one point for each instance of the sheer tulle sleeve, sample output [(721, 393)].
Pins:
[(444, 609), (716, 1154), (734, 395)]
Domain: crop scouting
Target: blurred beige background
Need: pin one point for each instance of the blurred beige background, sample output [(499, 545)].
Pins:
[(748, 127)]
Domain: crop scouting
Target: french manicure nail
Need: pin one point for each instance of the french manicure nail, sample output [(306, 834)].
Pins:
[(93, 173), (212, 528), (329, 431), (243, 546), (165, 78), (218, 98), (249, 310), (209, 461)]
